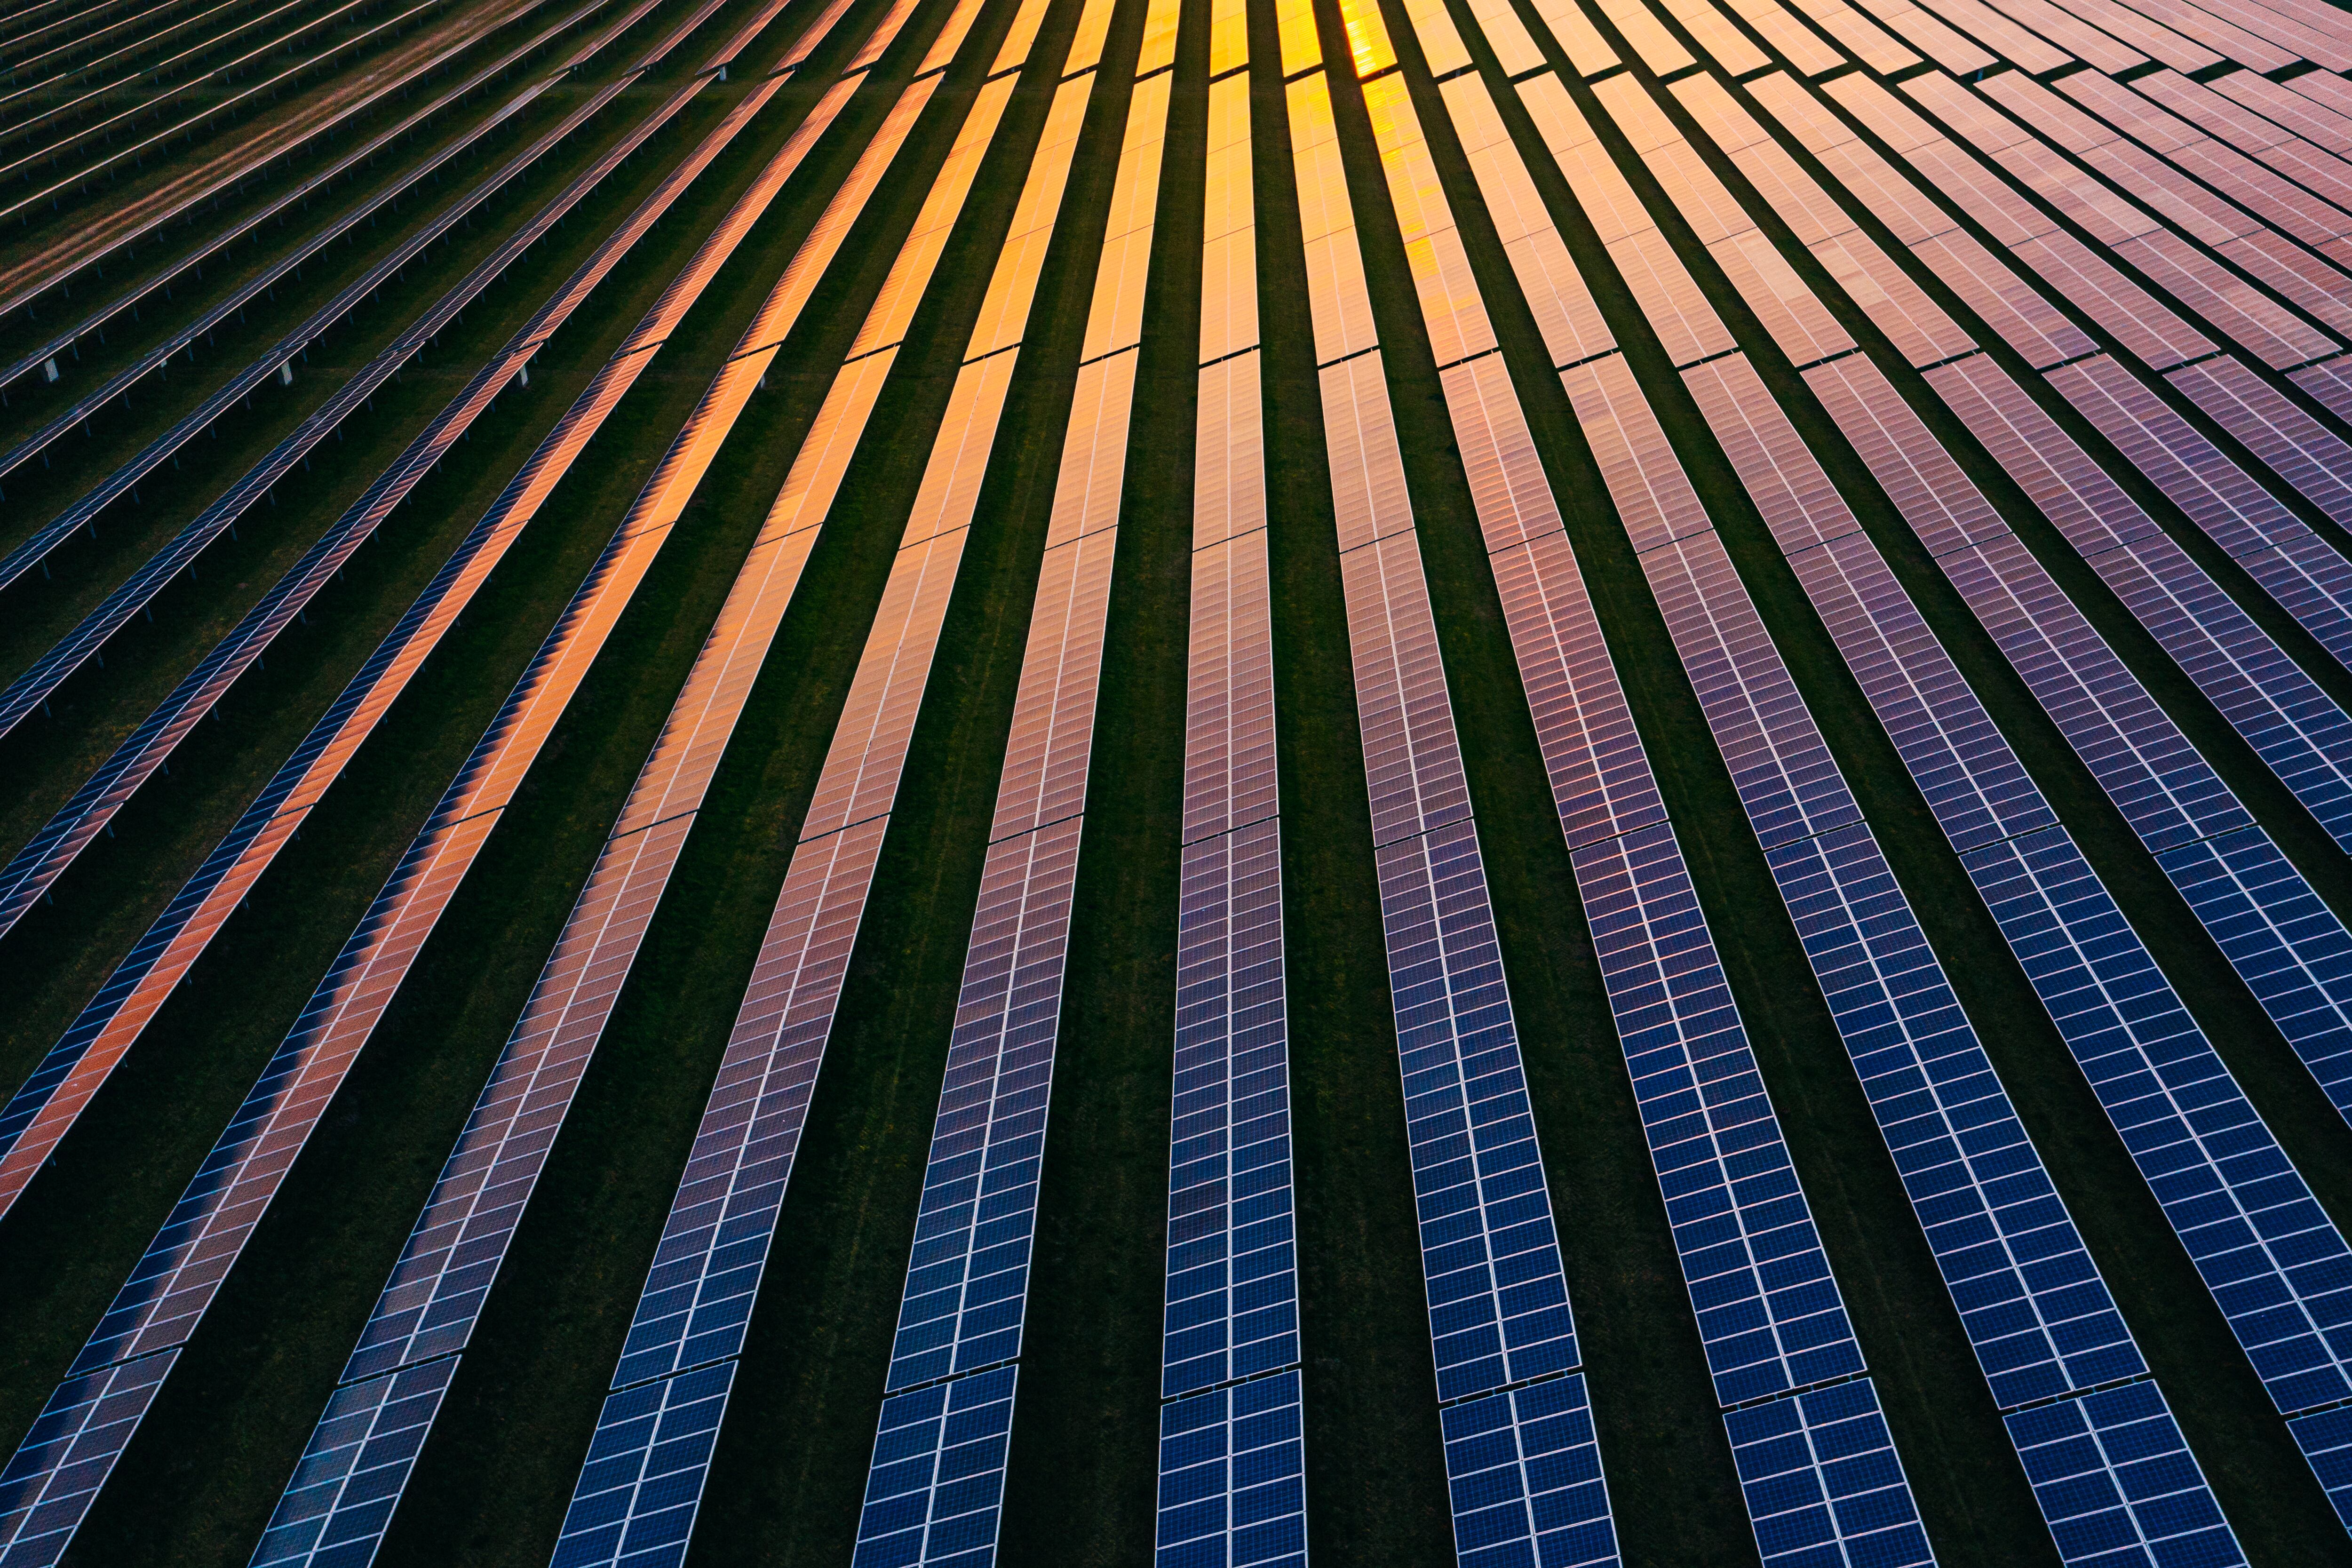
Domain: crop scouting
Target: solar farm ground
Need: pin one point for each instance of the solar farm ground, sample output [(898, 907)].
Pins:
[(200, 1480)]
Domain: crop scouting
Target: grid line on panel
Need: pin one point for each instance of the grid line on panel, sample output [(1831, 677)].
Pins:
[(1981, 798), (1690, 580), (1500, 1325), (1232, 1445), (175, 1281), (2301, 735), (642, 1483), (935, 1486), (46, 1105), (2283, 940)]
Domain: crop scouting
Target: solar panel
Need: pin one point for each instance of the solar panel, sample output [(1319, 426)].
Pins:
[(2307, 578), (1525, 1468), (2283, 940), (937, 1485), (1232, 1489), (1232, 1446), (1499, 1307), (342, 1496), (2302, 736), (191, 1255), (2113, 1477), (26, 693), (2033, 1303), (40, 1112), (698, 1301), (1822, 1480), (2296, 447), (1768, 1308), (934, 1491)]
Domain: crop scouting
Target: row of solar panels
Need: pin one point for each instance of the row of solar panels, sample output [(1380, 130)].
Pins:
[(1712, 584)]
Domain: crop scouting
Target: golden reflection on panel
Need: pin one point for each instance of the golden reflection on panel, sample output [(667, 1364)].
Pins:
[(1578, 38), (911, 273), (1087, 43), (1094, 452), (950, 486), (1004, 313), (1229, 454), (1514, 45), (1654, 499), (1228, 35), (942, 52), (1341, 304), (818, 469), (1669, 297), (1159, 50), (1450, 302), (1368, 37), (1647, 35), (1717, 38), (1798, 44), (1019, 39), (1301, 45), (1441, 42), (1229, 247), (876, 43), (781, 309), (1563, 307), (1367, 488), (1863, 38)]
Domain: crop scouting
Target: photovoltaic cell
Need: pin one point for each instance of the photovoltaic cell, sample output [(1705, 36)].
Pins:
[(1232, 1446), (2281, 939), (1232, 1489), (937, 1484), (41, 1111), (1768, 1309), (1822, 1480), (933, 1493), (2302, 736), (175, 1281), (1499, 1309), (639, 1487), (1525, 1468), (428, 1308), (2307, 578), (2029, 1298)]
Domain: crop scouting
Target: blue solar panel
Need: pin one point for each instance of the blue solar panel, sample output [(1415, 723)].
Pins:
[(51, 1479), (2326, 1439), (1525, 1468), (2284, 942), (2119, 1485), (1768, 1309), (1498, 1303), (335, 1509), (934, 1493), (968, 1278), (638, 1490), (2301, 735), (2277, 1266), (2031, 1301), (1823, 1483), (1233, 1478), (1233, 1270), (2035, 1309)]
